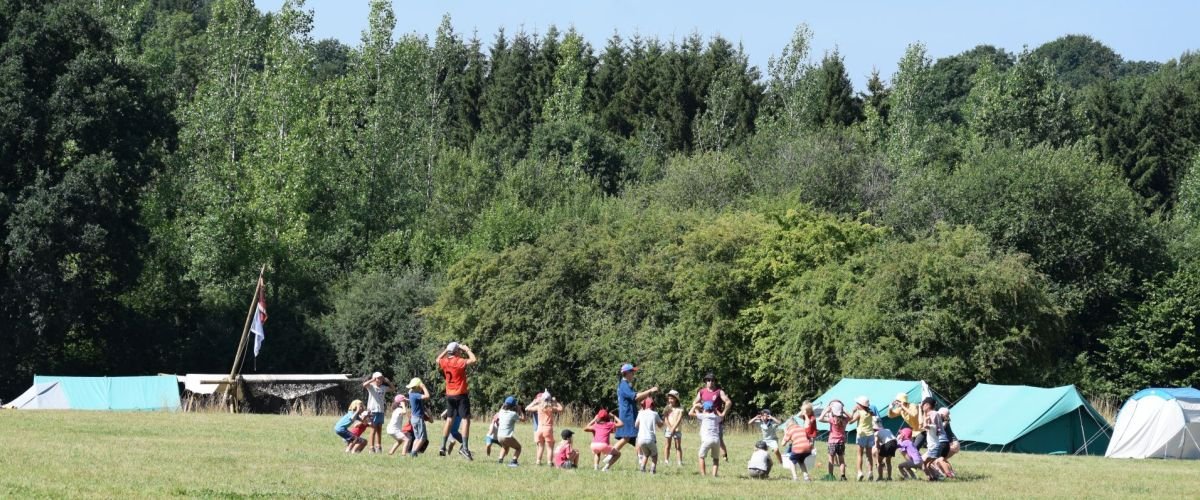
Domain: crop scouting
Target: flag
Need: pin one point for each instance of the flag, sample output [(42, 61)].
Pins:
[(260, 317)]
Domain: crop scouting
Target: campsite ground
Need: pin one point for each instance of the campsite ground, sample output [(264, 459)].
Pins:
[(94, 454)]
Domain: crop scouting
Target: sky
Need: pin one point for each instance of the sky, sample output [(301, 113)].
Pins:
[(868, 34)]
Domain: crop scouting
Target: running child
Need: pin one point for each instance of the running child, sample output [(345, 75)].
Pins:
[(835, 416), (908, 451), (395, 426), (647, 423), (759, 466), (546, 408), (672, 429), (565, 456), (602, 426), (506, 424), (769, 425), (710, 434), (864, 417)]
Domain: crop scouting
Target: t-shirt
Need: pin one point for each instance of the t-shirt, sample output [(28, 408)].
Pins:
[(837, 429), (710, 427), (417, 403), (545, 417), (674, 416), (454, 369), (933, 425), (866, 423), (602, 431), (647, 425), (344, 422), (770, 429), (884, 435), (760, 459), (506, 423), (911, 414), (798, 436), (718, 402), (562, 454), (626, 409), (910, 451), (396, 425), (375, 398)]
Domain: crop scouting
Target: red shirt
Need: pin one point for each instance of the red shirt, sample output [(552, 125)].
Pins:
[(798, 436), (454, 369), (715, 397)]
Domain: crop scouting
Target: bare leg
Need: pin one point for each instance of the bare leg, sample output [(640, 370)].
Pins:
[(703, 472), (716, 465)]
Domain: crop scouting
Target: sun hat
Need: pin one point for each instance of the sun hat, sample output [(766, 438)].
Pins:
[(398, 399), (567, 434), (510, 400), (863, 401), (628, 367), (602, 414), (906, 434), (836, 407), (902, 397), (451, 347), (673, 392), (376, 375), (944, 412), (414, 383), (707, 405)]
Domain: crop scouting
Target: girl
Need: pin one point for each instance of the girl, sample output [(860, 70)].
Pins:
[(354, 415), (885, 449), (602, 426), (672, 431), (912, 457), (506, 423), (769, 425), (800, 436), (546, 408), (953, 447), (395, 426), (835, 416), (865, 418)]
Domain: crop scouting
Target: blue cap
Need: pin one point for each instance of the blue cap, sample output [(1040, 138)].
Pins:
[(708, 405), (510, 400), (627, 367)]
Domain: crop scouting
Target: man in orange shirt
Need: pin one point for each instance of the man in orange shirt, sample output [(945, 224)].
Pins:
[(453, 361)]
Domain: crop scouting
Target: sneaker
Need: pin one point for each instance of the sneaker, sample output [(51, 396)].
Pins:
[(843, 478), (513, 463), (501, 461), (466, 453), (441, 452), (806, 478), (860, 476), (606, 460)]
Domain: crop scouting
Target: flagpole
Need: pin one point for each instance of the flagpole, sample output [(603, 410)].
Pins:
[(241, 350)]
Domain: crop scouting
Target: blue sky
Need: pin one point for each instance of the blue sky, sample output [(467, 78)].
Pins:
[(869, 34)]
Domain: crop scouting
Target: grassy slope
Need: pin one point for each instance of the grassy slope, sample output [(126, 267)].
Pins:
[(89, 454)]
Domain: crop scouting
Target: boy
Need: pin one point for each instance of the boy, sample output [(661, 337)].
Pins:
[(565, 456), (418, 394), (647, 423), (759, 466), (769, 425), (710, 434), (506, 423), (933, 431), (835, 416), (546, 408), (799, 438)]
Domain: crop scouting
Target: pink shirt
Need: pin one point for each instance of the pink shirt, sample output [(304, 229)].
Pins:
[(603, 430), (837, 429), (562, 455)]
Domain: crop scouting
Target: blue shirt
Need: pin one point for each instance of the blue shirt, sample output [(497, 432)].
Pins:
[(626, 410), (417, 403), (344, 422)]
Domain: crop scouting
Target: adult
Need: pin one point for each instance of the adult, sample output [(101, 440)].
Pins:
[(711, 392), (454, 360), (912, 415), (627, 404), (377, 387)]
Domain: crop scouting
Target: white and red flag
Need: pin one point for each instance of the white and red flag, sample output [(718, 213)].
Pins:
[(260, 317)]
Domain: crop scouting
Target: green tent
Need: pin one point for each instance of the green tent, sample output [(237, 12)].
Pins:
[(1027, 419), (881, 393)]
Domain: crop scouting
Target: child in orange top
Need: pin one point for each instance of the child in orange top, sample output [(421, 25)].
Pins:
[(800, 436), (547, 408)]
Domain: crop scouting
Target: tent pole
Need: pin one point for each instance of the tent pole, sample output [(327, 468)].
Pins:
[(241, 350)]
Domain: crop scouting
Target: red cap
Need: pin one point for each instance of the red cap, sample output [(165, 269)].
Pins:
[(602, 414)]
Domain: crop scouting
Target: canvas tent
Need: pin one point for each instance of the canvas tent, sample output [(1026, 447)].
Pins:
[(881, 392), (1158, 423), (100, 393), (1025, 419)]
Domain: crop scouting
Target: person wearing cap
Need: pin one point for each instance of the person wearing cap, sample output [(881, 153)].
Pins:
[(759, 466), (710, 434), (395, 426), (864, 418), (912, 415), (627, 404), (712, 392), (545, 409), (506, 424), (672, 429), (454, 360), (565, 456), (647, 424), (602, 427), (418, 396), (377, 386)]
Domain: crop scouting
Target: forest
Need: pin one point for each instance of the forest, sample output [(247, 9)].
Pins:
[(564, 205)]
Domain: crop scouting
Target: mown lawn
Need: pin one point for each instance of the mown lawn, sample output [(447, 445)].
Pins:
[(123, 455)]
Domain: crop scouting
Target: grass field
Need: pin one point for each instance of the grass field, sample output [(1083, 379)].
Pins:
[(86, 454)]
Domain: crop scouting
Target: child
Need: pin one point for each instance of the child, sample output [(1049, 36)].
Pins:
[(799, 436), (759, 465), (353, 416), (602, 426), (933, 430), (395, 426), (647, 423), (418, 394), (952, 447), (565, 456), (885, 449), (546, 408), (835, 416), (455, 435), (912, 457), (356, 430), (710, 434), (672, 431), (865, 418), (506, 423), (769, 425), (377, 387), (490, 438)]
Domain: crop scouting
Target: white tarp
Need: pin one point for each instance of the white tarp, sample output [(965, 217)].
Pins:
[(44, 396), (207, 383), (1158, 423)]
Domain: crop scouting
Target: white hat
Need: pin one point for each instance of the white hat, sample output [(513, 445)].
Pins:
[(376, 375), (451, 347), (673, 392), (863, 401)]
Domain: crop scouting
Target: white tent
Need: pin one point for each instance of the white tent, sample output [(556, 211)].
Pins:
[(1158, 423), (43, 396)]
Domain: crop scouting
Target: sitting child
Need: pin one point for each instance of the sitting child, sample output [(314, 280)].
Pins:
[(759, 465), (565, 456)]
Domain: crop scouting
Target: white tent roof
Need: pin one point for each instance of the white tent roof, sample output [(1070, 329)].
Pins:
[(44, 396), (1158, 423), (208, 383)]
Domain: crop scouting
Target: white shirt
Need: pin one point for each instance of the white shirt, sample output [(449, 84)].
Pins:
[(884, 435), (375, 398), (396, 425), (770, 430), (761, 460), (506, 423), (647, 424), (710, 430)]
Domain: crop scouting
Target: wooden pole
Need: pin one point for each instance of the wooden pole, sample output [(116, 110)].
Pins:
[(241, 350)]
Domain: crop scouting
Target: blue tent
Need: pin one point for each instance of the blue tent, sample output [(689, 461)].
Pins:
[(100, 393)]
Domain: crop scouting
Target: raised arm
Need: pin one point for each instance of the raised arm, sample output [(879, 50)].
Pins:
[(618, 421), (534, 406), (642, 395), (471, 359), (424, 391)]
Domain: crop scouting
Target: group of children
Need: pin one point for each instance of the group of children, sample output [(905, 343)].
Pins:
[(925, 426)]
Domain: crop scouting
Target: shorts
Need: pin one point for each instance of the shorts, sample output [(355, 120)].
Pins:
[(709, 447), (919, 441), (865, 441), (544, 435), (458, 406), (649, 449), (345, 434), (602, 448), (376, 418), (567, 465), (798, 458), (672, 435), (758, 473), (837, 449), (489, 439), (772, 444), (931, 453), (888, 449), (943, 449), (418, 430), (400, 436)]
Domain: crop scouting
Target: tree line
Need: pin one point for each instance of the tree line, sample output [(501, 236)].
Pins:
[(563, 207)]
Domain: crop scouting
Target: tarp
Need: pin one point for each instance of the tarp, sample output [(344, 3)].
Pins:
[(881, 392), (285, 386), (102, 393), (1025, 419), (1158, 423)]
